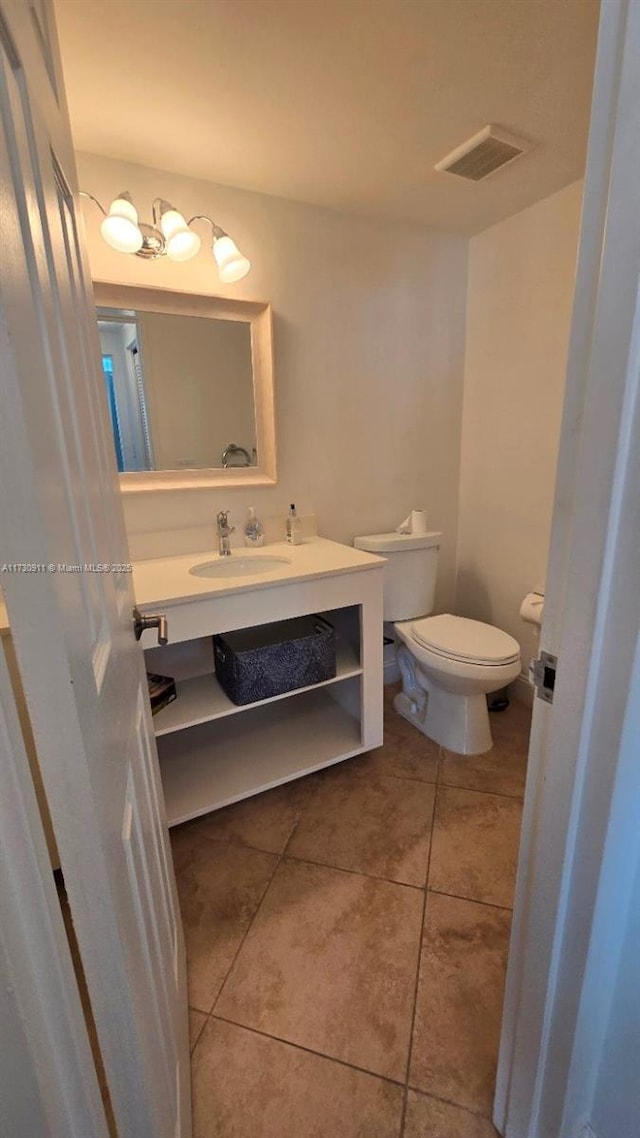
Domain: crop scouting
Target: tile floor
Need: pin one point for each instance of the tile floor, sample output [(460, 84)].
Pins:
[(346, 943)]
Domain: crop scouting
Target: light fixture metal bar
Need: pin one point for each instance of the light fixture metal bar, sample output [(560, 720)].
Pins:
[(215, 229), (84, 194)]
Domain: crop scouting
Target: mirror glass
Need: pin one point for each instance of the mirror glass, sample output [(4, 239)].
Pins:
[(180, 390)]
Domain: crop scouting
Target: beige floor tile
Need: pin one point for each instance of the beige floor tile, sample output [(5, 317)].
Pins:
[(220, 887), (459, 1005), (405, 753), (429, 1118), (248, 1086), (512, 727), (401, 757), (376, 825), (264, 822), (330, 963), (197, 1021), (474, 847), (502, 770)]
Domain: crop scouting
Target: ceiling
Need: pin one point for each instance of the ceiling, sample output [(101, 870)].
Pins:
[(340, 103)]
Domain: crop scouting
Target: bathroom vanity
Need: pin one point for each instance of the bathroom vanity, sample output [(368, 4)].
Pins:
[(213, 752)]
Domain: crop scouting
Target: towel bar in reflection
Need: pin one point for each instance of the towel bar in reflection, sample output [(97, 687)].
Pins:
[(230, 451)]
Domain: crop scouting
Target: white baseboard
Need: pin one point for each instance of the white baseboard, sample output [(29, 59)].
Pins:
[(391, 672)]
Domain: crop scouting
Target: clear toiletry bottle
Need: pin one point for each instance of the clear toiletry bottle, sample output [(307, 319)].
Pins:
[(253, 531), (294, 536)]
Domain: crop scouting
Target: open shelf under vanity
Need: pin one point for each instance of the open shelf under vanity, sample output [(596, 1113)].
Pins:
[(224, 760), (214, 752)]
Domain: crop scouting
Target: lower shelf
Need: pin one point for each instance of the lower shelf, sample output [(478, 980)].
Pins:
[(220, 762)]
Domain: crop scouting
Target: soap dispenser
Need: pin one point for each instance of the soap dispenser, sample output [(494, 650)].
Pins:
[(293, 532), (253, 531)]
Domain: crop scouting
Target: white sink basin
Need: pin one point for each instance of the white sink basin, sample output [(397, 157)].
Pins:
[(234, 566)]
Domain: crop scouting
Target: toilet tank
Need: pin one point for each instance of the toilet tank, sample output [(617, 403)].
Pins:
[(410, 572)]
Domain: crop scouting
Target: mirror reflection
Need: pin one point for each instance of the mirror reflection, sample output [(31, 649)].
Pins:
[(180, 390)]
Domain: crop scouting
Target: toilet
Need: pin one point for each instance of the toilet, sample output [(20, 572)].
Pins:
[(448, 664)]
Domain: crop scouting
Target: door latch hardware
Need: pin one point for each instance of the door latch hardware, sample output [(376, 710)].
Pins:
[(150, 620), (543, 675)]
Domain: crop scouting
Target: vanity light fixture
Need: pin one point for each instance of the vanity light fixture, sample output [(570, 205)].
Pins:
[(170, 235)]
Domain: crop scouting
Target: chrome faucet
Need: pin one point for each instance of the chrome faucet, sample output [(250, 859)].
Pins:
[(224, 531)]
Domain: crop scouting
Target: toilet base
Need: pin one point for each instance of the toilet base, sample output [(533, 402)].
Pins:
[(407, 708), (457, 721)]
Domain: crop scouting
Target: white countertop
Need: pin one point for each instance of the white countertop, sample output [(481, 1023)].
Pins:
[(167, 579)]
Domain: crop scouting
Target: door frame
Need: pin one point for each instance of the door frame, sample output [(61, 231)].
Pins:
[(48, 1081), (592, 614)]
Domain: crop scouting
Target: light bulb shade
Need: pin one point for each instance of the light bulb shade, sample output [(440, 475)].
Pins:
[(183, 246), (182, 242), (120, 227), (232, 266)]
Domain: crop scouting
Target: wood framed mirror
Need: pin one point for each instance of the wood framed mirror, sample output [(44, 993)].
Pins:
[(190, 388)]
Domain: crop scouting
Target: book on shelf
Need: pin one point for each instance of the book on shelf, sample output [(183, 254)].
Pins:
[(162, 691)]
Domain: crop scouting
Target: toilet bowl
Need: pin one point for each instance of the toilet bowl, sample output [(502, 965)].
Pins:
[(449, 665)]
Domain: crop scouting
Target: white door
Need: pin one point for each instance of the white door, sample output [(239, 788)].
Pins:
[(81, 668), (577, 763)]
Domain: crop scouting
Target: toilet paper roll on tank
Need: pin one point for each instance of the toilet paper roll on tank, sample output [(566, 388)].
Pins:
[(415, 522)]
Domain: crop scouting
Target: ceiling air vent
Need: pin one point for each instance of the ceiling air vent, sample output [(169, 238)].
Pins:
[(489, 150)]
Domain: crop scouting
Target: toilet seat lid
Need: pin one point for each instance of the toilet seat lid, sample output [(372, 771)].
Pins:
[(470, 641)]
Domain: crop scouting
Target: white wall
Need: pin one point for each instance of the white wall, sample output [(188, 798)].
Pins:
[(521, 277), (369, 327)]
